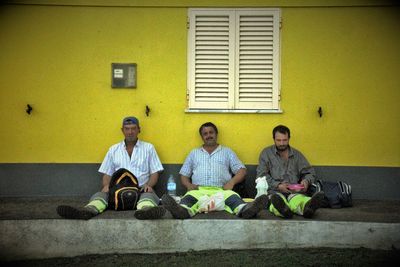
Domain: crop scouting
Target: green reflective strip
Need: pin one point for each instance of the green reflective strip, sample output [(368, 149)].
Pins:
[(209, 191), (273, 210), (145, 203), (297, 203), (204, 190), (193, 210), (99, 203), (238, 208)]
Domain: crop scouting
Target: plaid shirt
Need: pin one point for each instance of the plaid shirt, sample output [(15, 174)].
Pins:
[(214, 169)]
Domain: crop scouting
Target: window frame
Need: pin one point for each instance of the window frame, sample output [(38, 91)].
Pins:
[(234, 104)]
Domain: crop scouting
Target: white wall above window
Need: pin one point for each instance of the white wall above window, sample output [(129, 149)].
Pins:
[(233, 60)]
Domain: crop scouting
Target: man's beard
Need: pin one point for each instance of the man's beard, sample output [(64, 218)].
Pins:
[(282, 148), (210, 141)]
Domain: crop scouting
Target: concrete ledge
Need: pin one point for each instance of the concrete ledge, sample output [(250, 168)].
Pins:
[(34, 239)]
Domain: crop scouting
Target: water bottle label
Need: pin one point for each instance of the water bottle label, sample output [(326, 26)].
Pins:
[(171, 186)]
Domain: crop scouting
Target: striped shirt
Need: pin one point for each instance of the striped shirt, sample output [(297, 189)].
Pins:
[(213, 169), (143, 162)]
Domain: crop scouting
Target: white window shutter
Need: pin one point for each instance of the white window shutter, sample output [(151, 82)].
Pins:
[(257, 73), (233, 59), (211, 60)]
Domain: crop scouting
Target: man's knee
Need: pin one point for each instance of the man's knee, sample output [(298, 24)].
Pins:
[(149, 196), (233, 201)]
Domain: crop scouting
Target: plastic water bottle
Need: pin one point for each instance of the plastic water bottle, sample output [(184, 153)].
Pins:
[(171, 186)]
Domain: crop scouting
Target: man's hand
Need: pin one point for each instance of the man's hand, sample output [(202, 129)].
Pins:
[(283, 187), (305, 183), (147, 189), (186, 182), (238, 178), (229, 185), (192, 187)]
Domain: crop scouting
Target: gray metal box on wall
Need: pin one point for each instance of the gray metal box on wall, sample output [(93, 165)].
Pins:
[(123, 75)]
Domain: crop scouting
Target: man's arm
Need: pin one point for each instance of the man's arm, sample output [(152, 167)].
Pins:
[(307, 172), (107, 168), (236, 167), (155, 169), (187, 171), (186, 182), (153, 179), (238, 178), (263, 169), (106, 183)]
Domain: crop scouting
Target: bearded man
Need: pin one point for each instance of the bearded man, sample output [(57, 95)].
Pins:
[(289, 176)]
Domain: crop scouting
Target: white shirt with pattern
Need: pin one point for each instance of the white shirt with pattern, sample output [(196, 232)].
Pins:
[(143, 162)]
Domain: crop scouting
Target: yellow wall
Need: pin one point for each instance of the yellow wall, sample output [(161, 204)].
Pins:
[(58, 59)]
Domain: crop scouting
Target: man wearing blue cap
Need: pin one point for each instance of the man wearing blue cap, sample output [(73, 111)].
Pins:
[(136, 156)]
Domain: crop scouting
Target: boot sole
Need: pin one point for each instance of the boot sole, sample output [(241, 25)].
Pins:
[(314, 203), (174, 208), (256, 206), (68, 212), (281, 206), (150, 213)]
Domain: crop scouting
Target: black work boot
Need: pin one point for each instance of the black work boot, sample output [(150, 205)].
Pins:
[(69, 212), (251, 209), (150, 213), (281, 206), (313, 204), (177, 211)]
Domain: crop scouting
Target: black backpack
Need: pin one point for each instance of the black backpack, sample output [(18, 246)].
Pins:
[(337, 194), (124, 191)]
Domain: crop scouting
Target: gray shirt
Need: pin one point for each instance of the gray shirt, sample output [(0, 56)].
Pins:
[(278, 170)]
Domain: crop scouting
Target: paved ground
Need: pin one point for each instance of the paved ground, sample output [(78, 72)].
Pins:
[(251, 258), (45, 208)]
